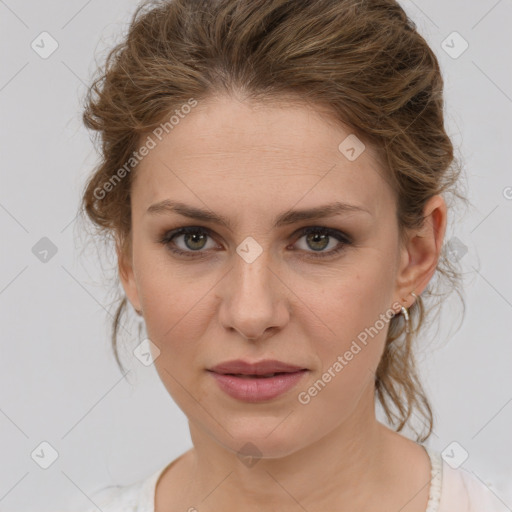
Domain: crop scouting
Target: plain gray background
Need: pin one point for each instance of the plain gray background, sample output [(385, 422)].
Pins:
[(58, 380)]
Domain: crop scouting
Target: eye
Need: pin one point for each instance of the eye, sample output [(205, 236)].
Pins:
[(319, 238), (195, 238)]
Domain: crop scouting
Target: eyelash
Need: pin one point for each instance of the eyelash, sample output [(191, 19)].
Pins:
[(168, 237)]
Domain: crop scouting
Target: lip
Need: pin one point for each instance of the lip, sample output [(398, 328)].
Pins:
[(239, 380), (241, 367)]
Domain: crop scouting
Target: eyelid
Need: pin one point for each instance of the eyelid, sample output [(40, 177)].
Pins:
[(333, 232)]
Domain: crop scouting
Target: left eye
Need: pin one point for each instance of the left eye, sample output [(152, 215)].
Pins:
[(316, 238), (319, 238)]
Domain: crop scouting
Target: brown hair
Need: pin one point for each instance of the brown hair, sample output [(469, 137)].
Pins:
[(362, 61)]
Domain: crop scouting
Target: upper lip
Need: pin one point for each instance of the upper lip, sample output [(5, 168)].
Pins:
[(241, 367)]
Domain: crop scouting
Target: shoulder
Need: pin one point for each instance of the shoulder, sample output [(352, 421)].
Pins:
[(461, 491), (136, 497)]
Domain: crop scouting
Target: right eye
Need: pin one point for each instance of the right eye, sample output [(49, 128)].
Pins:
[(194, 240)]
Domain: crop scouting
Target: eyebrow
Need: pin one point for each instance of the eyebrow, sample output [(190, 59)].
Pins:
[(286, 218)]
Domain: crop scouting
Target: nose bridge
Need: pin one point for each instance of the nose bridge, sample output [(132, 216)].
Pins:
[(252, 277), (250, 302)]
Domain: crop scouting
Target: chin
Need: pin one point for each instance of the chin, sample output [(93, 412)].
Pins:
[(265, 437)]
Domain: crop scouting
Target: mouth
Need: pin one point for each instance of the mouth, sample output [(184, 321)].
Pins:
[(257, 385)]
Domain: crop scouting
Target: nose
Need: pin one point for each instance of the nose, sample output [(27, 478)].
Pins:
[(253, 299)]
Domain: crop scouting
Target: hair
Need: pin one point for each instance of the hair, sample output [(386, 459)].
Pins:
[(362, 62)]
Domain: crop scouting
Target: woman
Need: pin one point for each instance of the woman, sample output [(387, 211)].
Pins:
[(273, 173)]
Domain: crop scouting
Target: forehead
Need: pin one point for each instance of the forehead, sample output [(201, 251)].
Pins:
[(229, 148)]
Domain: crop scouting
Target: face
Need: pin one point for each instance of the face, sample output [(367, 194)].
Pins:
[(267, 285)]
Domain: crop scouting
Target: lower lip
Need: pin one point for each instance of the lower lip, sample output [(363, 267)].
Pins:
[(257, 389)]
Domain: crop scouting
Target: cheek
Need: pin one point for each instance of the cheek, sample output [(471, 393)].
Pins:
[(351, 320), (349, 358), (175, 324), (173, 317), (177, 312), (349, 299), (167, 294)]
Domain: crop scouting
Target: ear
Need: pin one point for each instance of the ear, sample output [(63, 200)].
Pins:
[(420, 255), (127, 275)]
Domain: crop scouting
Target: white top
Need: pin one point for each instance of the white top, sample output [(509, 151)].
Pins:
[(451, 490)]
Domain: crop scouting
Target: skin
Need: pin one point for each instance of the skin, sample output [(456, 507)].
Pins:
[(250, 162)]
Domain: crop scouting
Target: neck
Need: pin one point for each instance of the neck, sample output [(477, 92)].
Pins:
[(345, 466)]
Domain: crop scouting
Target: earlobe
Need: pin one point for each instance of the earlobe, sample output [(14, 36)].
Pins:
[(421, 255)]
